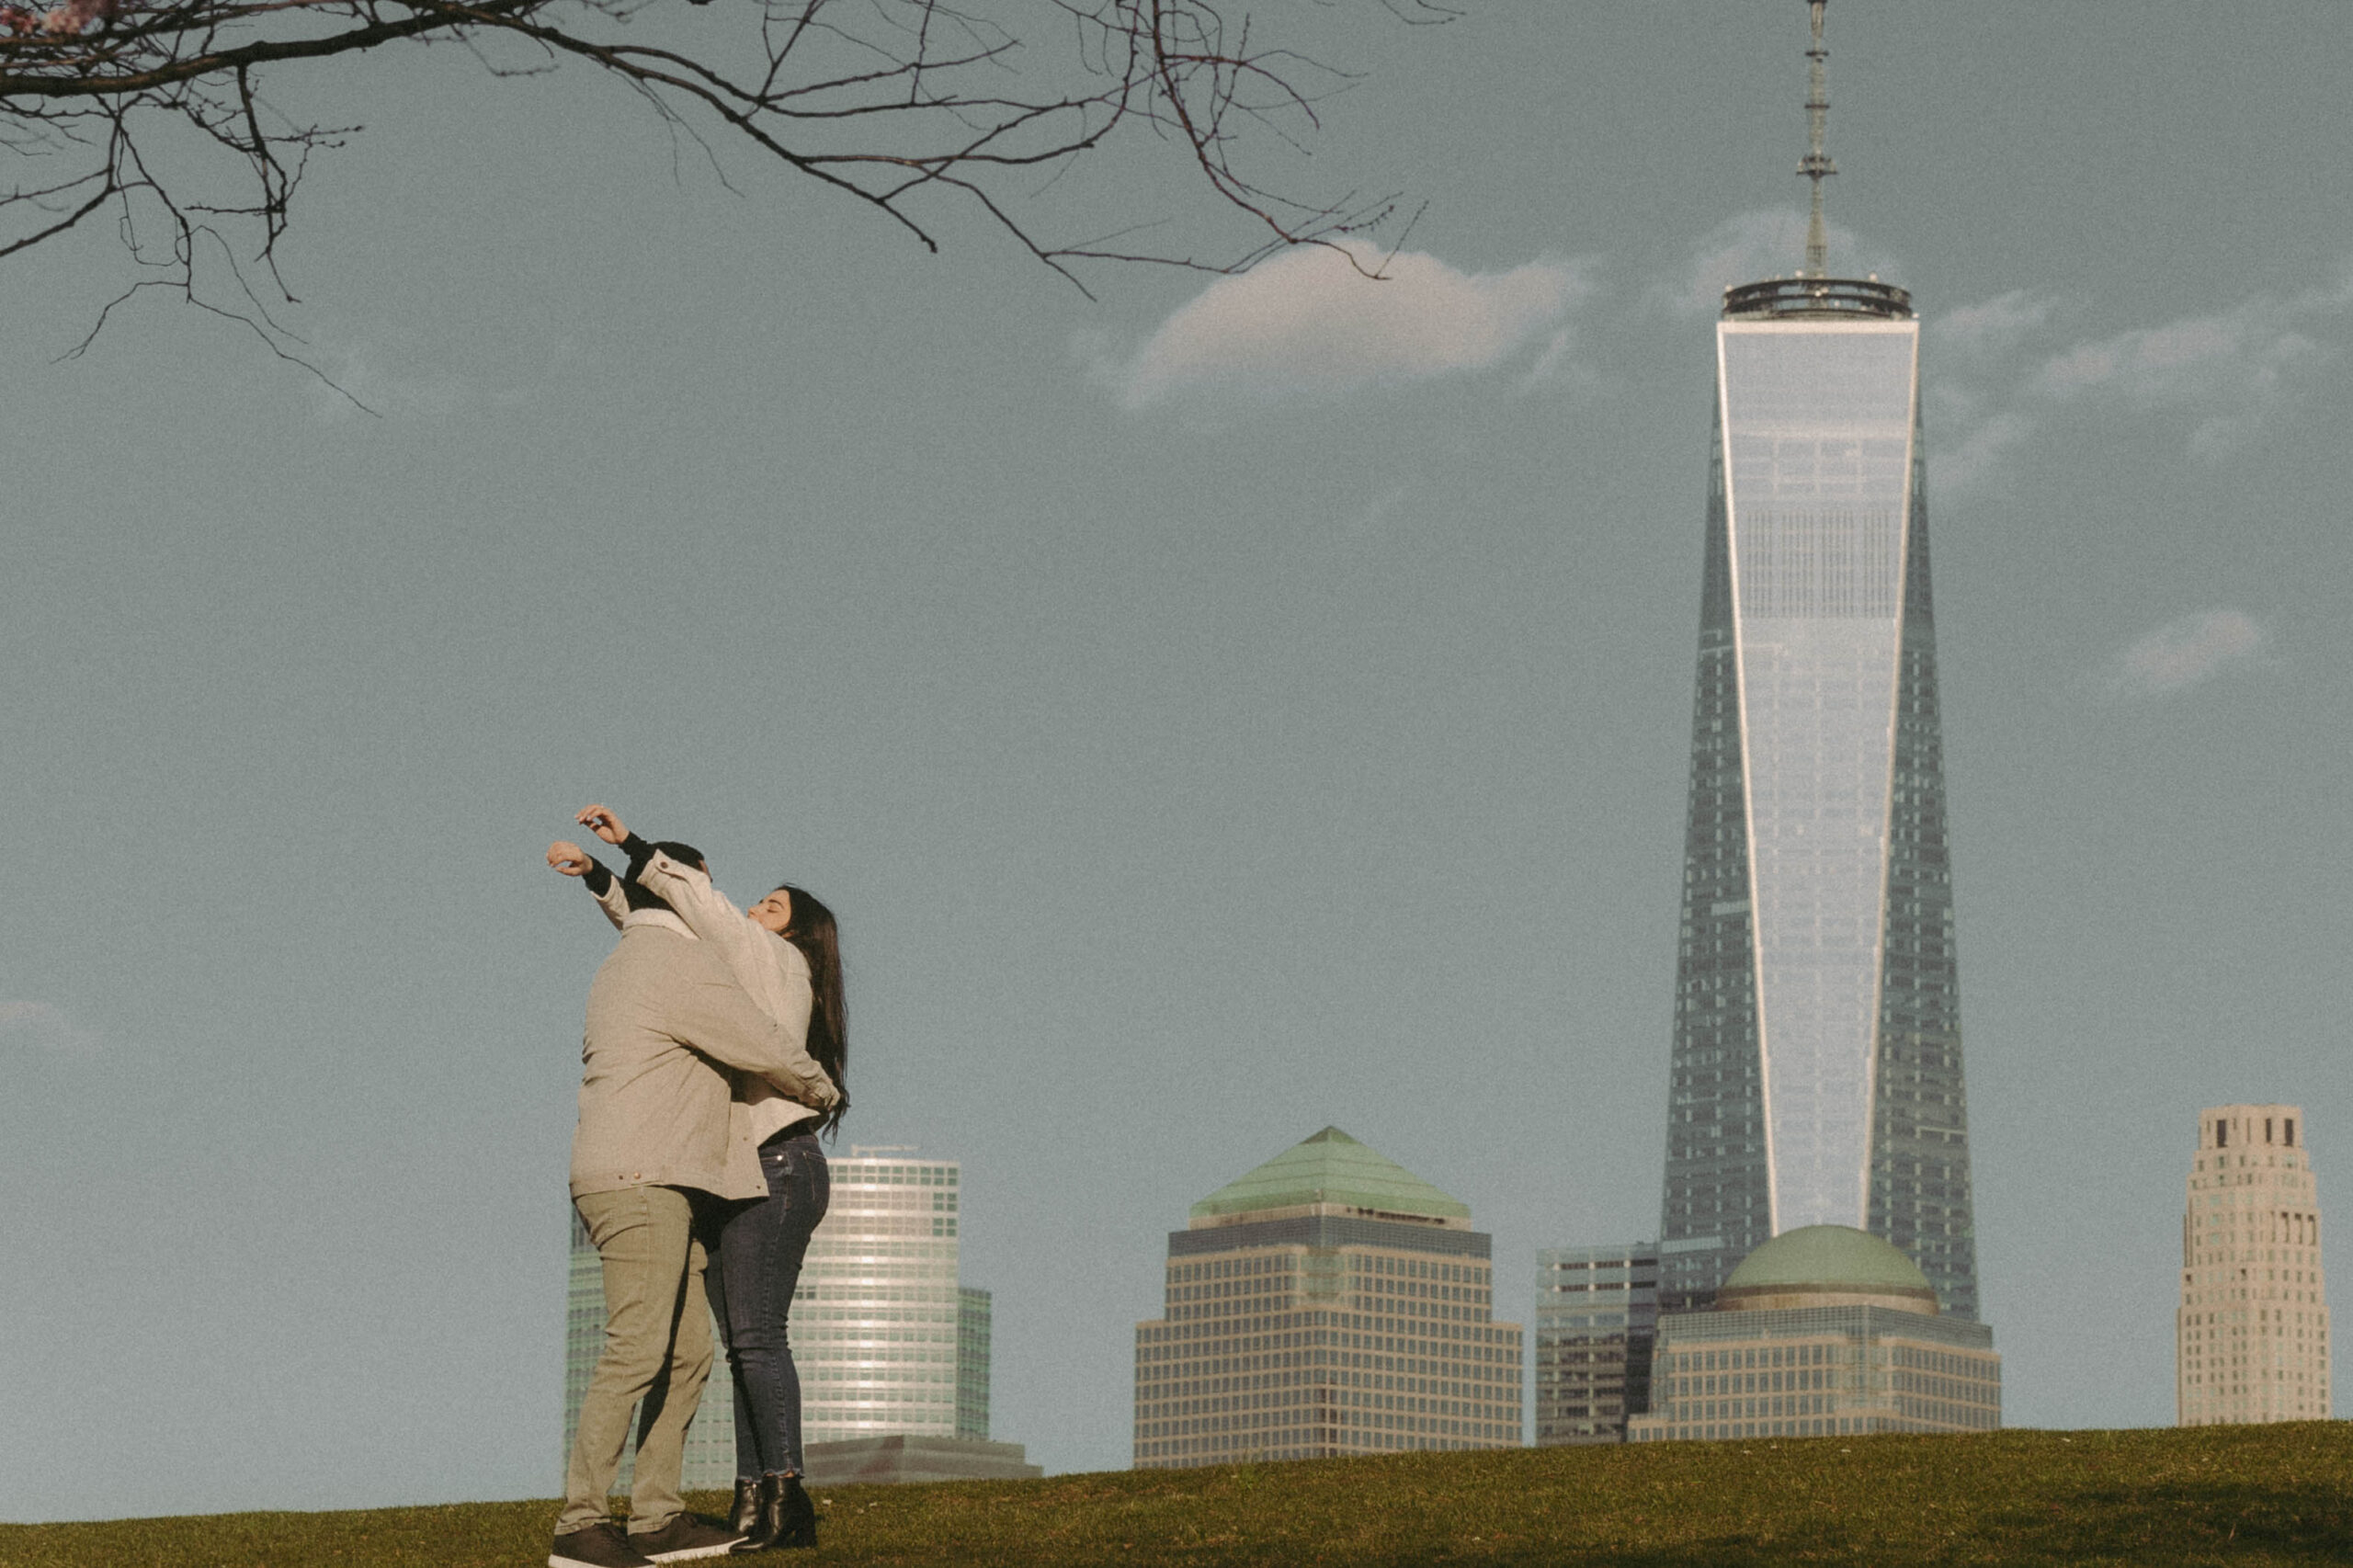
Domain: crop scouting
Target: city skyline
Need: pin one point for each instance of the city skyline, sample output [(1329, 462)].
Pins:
[(1215, 709)]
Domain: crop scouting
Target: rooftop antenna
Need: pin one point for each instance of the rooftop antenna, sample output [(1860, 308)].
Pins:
[(1817, 167), (1813, 291)]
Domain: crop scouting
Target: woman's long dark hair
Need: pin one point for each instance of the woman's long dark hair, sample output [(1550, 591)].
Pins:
[(814, 932)]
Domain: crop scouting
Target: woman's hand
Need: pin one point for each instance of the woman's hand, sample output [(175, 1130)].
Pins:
[(569, 858), (603, 823)]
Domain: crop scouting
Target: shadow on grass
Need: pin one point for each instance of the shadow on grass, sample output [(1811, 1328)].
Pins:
[(2214, 1521), (2186, 1524)]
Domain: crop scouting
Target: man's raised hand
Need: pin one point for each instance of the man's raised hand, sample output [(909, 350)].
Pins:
[(603, 823), (569, 858)]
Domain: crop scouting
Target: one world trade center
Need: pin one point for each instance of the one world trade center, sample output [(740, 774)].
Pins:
[(1816, 1074)]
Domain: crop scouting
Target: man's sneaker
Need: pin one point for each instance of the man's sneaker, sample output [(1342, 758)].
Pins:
[(598, 1546), (684, 1539)]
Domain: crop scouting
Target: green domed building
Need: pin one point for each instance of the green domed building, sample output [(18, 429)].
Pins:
[(1823, 1331), (1815, 1264)]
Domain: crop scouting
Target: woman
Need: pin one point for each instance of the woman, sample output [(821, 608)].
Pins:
[(786, 953)]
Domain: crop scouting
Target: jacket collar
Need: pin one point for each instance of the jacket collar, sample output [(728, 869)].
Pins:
[(660, 918)]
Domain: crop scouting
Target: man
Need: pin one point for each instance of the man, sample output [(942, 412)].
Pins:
[(663, 1147)]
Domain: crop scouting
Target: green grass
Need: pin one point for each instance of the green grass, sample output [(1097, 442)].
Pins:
[(2220, 1494)]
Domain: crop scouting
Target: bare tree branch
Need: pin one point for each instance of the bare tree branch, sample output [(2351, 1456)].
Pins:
[(911, 107)]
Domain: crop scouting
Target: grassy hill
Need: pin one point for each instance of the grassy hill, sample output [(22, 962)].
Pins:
[(2218, 1494)]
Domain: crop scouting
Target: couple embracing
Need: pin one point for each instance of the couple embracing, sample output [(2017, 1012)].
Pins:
[(714, 1055)]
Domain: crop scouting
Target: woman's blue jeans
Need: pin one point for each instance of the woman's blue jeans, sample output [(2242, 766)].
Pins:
[(750, 1283)]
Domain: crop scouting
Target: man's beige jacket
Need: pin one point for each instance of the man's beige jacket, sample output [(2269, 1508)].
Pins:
[(667, 1019), (771, 969)]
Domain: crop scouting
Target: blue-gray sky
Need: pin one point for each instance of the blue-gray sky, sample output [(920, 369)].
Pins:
[(1216, 712)]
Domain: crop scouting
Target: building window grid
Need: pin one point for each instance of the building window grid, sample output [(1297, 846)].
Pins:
[(1821, 1371), (1715, 1179), (1917, 1188), (1597, 1315), (878, 1319), (2251, 1330), (975, 1311), (1301, 1353)]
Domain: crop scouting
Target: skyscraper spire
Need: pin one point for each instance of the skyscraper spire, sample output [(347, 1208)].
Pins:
[(1817, 167)]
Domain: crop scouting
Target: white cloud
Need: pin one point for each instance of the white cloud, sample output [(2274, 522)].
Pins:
[(1993, 328), (1552, 363), (39, 1026), (2186, 652), (1980, 454), (2226, 368), (1309, 324), (2222, 372), (1758, 246)]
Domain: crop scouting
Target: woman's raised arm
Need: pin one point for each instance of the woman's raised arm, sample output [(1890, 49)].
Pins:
[(774, 981)]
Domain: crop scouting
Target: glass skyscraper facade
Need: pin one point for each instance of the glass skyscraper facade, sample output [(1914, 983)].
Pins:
[(877, 1319), (1597, 1317), (885, 1340), (1816, 1072), (973, 1309)]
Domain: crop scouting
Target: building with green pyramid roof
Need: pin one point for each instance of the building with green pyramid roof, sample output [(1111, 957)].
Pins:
[(1327, 1301), (1331, 1173)]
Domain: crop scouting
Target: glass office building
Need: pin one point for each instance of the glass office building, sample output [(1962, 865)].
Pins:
[(876, 1321), (1597, 1316), (2251, 1335), (1329, 1301), (972, 1312), (1816, 1072), (886, 1341)]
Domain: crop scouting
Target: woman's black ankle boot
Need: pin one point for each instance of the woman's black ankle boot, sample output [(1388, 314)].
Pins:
[(787, 1517), (744, 1516), (765, 1514), (797, 1517)]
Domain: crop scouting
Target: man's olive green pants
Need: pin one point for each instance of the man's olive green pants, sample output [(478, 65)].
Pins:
[(653, 1242)]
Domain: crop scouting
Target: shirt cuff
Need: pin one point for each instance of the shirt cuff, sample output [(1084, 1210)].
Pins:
[(638, 852)]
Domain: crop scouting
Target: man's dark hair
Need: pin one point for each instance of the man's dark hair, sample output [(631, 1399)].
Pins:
[(685, 854), (638, 895)]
